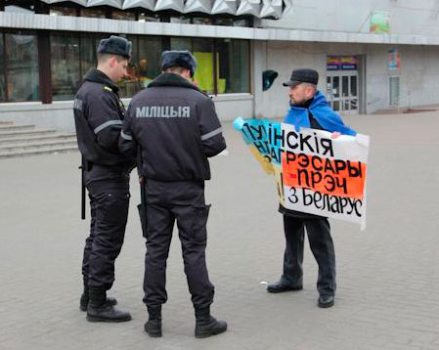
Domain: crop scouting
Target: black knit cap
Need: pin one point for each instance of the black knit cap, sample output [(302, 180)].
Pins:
[(115, 45), (303, 75), (183, 59)]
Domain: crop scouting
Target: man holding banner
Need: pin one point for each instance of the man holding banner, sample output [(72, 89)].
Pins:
[(309, 109)]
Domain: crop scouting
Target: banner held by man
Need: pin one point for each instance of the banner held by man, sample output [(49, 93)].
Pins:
[(315, 173)]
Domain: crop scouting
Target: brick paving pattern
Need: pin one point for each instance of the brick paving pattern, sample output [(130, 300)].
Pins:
[(388, 275)]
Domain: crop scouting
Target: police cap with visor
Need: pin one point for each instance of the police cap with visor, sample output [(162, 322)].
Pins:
[(183, 59), (302, 75), (115, 45)]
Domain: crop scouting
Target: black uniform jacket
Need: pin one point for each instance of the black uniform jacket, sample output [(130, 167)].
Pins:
[(174, 127), (99, 113)]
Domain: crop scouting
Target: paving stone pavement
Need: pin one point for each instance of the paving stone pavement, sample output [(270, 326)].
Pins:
[(388, 275)]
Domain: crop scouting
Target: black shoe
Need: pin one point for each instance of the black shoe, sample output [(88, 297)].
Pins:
[(282, 286), (83, 303), (207, 327), (154, 328), (106, 313), (326, 301)]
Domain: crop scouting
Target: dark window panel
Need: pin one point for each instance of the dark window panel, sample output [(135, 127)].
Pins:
[(91, 12), (181, 43), (63, 11), (123, 15), (202, 20), (88, 47), (65, 67), (150, 49), (22, 73), (2, 70), (180, 19), (204, 75), (129, 85), (234, 66), (44, 60), (149, 17)]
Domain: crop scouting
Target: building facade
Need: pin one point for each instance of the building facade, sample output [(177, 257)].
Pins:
[(371, 55)]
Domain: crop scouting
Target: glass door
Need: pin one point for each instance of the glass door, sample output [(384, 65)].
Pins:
[(342, 91)]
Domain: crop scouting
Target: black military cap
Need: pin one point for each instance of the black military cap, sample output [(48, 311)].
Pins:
[(116, 45), (303, 75), (183, 59)]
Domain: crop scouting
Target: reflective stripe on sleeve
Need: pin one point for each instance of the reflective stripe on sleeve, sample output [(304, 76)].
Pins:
[(125, 136), (106, 124), (211, 134)]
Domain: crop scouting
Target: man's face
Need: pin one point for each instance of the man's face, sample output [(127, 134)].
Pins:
[(118, 68), (300, 93)]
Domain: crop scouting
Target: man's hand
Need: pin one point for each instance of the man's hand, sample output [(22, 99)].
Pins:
[(335, 134)]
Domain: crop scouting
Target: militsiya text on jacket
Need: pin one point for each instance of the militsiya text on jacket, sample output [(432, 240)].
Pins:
[(175, 127)]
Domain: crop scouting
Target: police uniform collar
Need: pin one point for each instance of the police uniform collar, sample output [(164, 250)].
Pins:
[(172, 79), (97, 76)]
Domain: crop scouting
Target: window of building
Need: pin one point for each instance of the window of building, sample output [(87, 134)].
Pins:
[(394, 91), (123, 15), (224, 22), (181, 44), (149, 17), (180, 19), (148, 60), (130, 84), (2, 70), (65, 66), (90, 12), (202, 49), (22, 63), (87, 54), (144, 65), (233, 66), (223, 64), (88, 47), (242, 22), (232, 69), (202, 20), (204, 74), (63, 11)]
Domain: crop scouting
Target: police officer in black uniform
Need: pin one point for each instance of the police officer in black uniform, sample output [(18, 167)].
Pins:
[(175, 127), (99, 113)]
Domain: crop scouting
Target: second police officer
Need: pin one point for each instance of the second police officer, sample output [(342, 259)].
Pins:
[(175, 128), (98, 115)]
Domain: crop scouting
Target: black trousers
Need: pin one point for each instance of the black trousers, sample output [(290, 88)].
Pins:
[(322, 247), (167, 203), (109, 202)]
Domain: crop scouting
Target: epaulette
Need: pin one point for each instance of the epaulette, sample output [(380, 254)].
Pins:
[(106, 88)]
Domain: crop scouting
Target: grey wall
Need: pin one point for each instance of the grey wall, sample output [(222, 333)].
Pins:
[(420, 17), (419, 74)]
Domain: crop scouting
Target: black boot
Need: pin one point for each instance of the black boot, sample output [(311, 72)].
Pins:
[(206, 325), (154, 325), (99, 311), (284, 286), (83, 302)]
